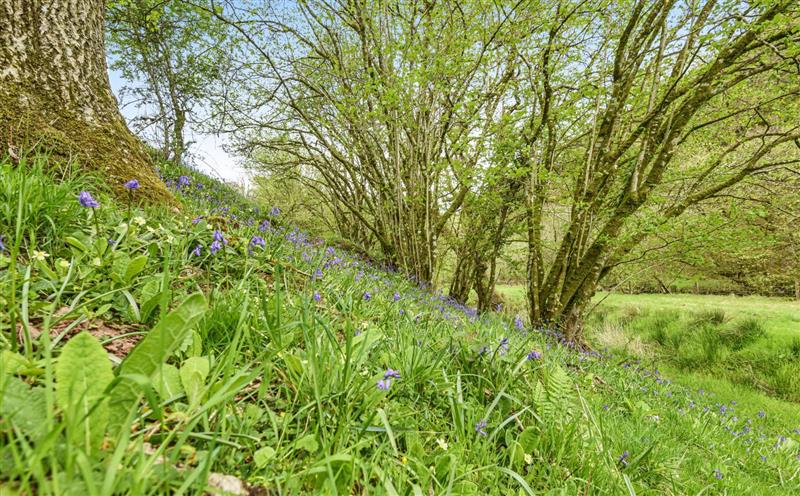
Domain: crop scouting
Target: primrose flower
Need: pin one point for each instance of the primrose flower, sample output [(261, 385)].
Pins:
[(40, 255), (196, 251), (384, 384), (132, 184), (480, 427), (63, 263), (139, 221), (86, 200), (442, 444)]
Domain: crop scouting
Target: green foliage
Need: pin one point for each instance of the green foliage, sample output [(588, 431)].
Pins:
[(83, 372), (150, 354)]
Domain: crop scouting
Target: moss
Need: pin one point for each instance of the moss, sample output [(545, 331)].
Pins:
[(109, 149)]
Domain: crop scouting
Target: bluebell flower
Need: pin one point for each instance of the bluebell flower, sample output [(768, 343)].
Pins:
[(196, 251), (317, 296), (86, 200), (183, 181), (2, 246), (197, 219), (367, 296), (258, 241), (534, 355), (132, 184), (219, 237), (275, 212), (480, 427), (761, 414), (623, 459), (718, 474), (264, 226), (518, 323), (396, 296), (391, 373), (215, 247), (384, 384)]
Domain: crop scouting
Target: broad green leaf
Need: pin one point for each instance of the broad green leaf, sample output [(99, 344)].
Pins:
[(151, 352), (193, 376), (135, 266), (167, 381), (263, 456), (12, 363), (82, 374), (120, 266), (22, 406), (529, 439), (308, 443)]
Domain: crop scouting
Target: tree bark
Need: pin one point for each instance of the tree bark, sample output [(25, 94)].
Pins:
[(55, 93)]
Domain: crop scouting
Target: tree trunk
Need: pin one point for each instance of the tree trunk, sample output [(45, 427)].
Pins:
[(55, 93)]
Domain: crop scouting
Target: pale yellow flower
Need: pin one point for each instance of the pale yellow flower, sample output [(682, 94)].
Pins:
[(139, 221), (97, 262), (442, 444), (528, 458), (40, 255), (63, 263)]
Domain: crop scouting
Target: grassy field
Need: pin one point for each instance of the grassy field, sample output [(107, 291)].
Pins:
[(270, 363)]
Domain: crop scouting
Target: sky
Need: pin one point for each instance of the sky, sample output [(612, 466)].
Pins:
[(211, 158)]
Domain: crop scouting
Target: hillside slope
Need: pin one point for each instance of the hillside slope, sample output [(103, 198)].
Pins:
[(299, 368)]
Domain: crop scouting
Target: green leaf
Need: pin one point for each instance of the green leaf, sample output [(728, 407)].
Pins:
[(529, 439), (135, 266), (263, 456), (82, 374), (151, 352), (12, 363), (193, 376), (22, 406), (167, 381), (308, 443)]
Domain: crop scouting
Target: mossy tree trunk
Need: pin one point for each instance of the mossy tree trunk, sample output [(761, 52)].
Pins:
[(55, 92)]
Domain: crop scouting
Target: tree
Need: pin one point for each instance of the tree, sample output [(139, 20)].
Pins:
[(171, 54), (627, 102), (54, 90), (389, 104)]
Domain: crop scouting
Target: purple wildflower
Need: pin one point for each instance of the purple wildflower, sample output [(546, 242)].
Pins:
[(264, 226), (218, 237), (132, 184), (534, 355), (86, 200), (718, 474), (761, 414), (183, 181), (623, 459), (384, 384), (215, 247), (2, 246), (367, 296), (258, 241), (196, 251), (197, 219), (391, 373), (396, 296), (317, 296), (480, 427), (275, 212), (518, 323)]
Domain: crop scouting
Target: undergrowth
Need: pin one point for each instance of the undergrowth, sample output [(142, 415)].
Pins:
[(271, 363)]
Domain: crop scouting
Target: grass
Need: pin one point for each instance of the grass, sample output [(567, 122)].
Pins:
[(272, 365)]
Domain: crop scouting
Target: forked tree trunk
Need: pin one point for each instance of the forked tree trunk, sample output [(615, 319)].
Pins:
[(55, 93)]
